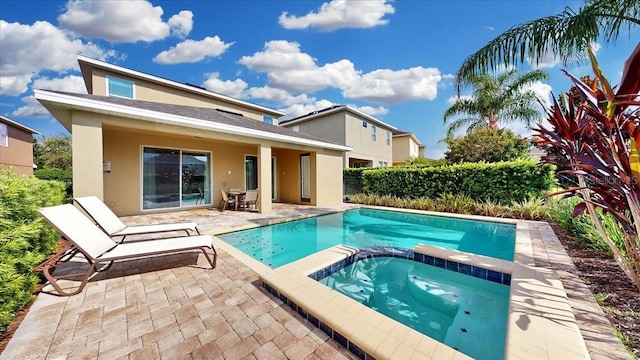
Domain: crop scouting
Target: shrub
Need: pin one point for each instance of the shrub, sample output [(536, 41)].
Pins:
[(25, 238), (352, 179), (503, 182), (489, 146), (59, 175)]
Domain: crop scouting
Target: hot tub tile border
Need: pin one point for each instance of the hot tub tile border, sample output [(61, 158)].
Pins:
[(378, 251)]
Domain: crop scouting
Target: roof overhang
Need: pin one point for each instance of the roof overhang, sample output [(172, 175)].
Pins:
[(346, 108), (412, 136), (84, 61), (17, 125), (57, 100)]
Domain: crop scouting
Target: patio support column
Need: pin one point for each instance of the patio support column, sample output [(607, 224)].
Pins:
[(264, 178), (86, 140)]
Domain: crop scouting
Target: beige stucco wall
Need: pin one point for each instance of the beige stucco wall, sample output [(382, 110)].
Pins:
[(359, 138), (98, 137), (404, 148), (19, 154), (148, 91)]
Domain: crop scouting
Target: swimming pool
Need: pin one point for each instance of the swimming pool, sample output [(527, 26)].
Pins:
[(280, 244)]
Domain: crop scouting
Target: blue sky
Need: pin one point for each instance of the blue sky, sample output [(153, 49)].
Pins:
[(394, 60)]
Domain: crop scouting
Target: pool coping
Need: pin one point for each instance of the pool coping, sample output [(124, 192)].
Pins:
[(541, 323)]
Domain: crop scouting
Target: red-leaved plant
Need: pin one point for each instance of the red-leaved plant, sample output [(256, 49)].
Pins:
[(595, 138)]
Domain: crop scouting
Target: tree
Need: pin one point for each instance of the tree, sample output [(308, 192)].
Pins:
[(565, 35), (53, 152), (597, 139), (496, 99), (488, 146)]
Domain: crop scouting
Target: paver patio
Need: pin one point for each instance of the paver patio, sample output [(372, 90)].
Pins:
[(173, 307)]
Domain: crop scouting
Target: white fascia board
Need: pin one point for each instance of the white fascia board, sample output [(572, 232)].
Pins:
[(18, 125), (338, 109), (412, 136), (156, 79), (171, 119)]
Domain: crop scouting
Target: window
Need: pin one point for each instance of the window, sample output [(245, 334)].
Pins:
[(383, 164), (296, 128), (251, 174), (4, 135), (119, 87), (373, 132), (364, 124), (388, 137), (173, 178), (267, 119)]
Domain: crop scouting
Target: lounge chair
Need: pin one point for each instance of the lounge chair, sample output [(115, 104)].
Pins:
[(113, 226), (98, 248)]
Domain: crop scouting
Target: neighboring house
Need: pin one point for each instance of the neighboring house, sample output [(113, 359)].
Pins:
[(369, 138), (146, 144), (16, 146), (406, 146)]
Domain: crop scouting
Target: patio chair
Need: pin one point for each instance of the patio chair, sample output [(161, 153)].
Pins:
[(113, 226), (250, 199), (99, 249), (225, 201)]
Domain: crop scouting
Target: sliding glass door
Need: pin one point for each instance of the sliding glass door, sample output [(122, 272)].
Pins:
[(173, 178)]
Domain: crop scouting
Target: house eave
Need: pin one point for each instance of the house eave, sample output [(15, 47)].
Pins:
[(95, 106)]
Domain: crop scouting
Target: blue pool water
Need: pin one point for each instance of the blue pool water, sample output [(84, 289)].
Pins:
[(464, 312), (280, 244)]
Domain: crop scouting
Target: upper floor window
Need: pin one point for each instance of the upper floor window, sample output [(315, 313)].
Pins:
[(373, 132), (296, 128), (267, 119), (364, 124), (388, 137), (4, 135), (119, 87)]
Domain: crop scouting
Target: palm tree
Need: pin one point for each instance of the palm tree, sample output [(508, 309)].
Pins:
[(496, 99), (565, 35)]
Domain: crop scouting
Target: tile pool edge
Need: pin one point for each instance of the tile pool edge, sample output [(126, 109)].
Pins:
[(540, 321)]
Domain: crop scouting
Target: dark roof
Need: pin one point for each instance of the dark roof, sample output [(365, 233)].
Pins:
[(399, 132), (214, 115)]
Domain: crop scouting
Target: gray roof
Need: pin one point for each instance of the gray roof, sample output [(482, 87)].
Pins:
[(213, 115)]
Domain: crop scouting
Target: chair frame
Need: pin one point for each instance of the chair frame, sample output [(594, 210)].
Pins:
[(81, 221), (225, 200), (85, 202)]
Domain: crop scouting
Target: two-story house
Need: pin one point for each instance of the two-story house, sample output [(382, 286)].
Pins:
[(406, 146), (369, 138), (144, 144), (16, 146)]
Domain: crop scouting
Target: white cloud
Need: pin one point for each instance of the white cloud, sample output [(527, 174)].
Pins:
[(393, 87), (290, 69), (123, 21), (542, 91), (296, 110), (370, 110), (180, 24), (190, 51), (279, 55), (278, 96), (71, 83), (340, 74), (233, 88), (33, 108), (29, 49), (339, 14)]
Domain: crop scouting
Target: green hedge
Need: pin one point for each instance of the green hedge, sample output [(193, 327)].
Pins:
[(352, 179), (25, 238), (58, 175), (501, 182)]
